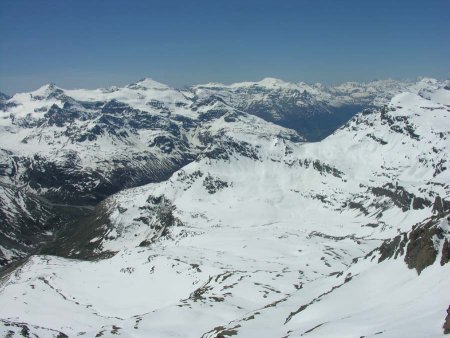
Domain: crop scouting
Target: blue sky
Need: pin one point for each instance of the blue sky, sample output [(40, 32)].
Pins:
[(101, 43)]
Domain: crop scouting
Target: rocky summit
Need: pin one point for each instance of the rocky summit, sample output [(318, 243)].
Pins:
[(256, 209)]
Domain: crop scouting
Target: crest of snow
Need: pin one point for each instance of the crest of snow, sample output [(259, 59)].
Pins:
[(150, 84)]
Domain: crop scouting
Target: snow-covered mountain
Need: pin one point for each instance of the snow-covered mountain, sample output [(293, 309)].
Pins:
[(254, 233), (79, 147)]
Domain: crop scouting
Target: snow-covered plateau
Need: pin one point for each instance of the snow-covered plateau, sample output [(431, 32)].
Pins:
[(148, 211)]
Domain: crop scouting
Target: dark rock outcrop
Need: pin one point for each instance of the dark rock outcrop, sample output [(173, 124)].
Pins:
[(393, 248), (441, 206), (400, 197), (419, 246), (446, 326), (445, 257), (421, 251)]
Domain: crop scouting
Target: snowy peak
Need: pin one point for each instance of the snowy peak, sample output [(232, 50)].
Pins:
[(47, 90), (147, 83), (269, 82)]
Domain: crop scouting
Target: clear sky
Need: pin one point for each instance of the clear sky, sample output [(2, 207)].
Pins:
[(96, 43)]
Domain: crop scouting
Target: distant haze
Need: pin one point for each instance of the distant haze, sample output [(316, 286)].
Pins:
[(102, 43)]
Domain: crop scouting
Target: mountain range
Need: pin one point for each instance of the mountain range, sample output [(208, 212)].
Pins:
[(256, 209)]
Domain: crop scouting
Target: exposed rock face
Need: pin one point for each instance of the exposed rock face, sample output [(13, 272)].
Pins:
[(420, 203), (445, 257), (393, 248), (420, 246), (441, 206), (446, 326), (399, 196), (421, 251), (158, 214)]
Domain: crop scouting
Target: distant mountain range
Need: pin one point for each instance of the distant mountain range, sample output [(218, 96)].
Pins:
[(314, 110)]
